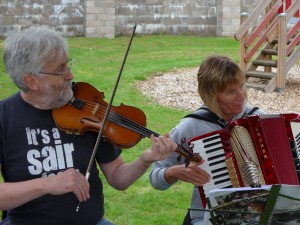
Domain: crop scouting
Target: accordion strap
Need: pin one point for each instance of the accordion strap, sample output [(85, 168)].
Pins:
[(250, 111), (204, 113)]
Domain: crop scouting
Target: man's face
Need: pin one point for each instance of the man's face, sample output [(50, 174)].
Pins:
[(55, 83)]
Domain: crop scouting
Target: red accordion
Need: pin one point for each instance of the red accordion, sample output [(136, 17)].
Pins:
[(252, 151)]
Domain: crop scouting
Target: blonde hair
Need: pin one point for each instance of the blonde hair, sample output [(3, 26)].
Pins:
[(215, 74)]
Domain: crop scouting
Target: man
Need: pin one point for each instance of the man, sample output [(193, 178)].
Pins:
[(44, 167)]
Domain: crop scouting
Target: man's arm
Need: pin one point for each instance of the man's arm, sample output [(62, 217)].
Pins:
[(121, 175), (18, 193)]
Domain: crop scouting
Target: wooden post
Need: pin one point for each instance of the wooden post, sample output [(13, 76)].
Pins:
[(281, 58), (243, 49)]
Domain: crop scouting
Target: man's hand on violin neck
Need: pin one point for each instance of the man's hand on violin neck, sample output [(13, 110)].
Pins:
[(162, 147)]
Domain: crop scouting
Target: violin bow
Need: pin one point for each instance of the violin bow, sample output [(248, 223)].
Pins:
[(100, 134)]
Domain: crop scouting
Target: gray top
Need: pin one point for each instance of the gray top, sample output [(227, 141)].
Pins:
[(188, 128)]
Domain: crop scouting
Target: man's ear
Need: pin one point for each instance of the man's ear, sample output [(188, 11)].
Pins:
[(31, 81)]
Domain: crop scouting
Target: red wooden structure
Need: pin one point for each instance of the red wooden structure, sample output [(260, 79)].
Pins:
[(286, 5)]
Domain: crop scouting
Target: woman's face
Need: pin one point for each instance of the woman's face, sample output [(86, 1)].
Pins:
[(231, 100)]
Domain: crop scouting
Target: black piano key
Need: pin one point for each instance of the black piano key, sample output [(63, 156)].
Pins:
[(215, 157), (213, 150), (297, 163), (209, 139), (219, 169), (217, 162), (212, 144), (297, 140), (222, 181), (220, 175)]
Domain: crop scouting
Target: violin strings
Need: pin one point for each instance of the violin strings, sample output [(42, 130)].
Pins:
[(124, 122), (119, 120)]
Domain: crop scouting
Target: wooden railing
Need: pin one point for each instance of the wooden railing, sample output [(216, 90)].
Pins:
[(273, 26), (292, 44)]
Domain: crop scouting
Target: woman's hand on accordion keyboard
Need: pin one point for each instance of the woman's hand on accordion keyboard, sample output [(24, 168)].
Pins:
[(192, 174)]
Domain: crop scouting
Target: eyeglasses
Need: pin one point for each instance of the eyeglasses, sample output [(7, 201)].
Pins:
[(70, 64)]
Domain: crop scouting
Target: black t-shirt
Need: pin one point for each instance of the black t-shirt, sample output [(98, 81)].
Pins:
[(31, 146)]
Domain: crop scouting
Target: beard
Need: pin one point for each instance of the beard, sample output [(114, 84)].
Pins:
[(55, 97)]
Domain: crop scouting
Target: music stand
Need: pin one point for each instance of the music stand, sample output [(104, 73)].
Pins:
[(269, 205)]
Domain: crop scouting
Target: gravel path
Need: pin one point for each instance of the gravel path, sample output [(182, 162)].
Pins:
[(178, 89)]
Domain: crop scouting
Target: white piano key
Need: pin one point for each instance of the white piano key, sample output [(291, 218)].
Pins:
[(201, 148), (219, 180), (212, 185), (209, 186), (205, 166), (207, 190)]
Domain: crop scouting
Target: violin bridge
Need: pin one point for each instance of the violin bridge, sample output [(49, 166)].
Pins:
[(95, 109)]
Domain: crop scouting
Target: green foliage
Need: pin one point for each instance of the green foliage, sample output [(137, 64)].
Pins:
[(98, 62)]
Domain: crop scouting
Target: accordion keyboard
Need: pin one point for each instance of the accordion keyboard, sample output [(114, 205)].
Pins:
[(212, 151)]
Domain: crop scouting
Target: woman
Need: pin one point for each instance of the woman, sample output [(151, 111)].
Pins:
[(221, 86)]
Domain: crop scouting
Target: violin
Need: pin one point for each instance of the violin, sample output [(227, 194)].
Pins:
[(125, 126)]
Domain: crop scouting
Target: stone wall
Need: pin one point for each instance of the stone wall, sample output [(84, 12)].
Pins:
[(63, 15), (248, 5), (100, 18), (167, 16), (110, 18), (228, 17)]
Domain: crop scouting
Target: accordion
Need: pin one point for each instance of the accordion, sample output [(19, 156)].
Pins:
[(252, 151)]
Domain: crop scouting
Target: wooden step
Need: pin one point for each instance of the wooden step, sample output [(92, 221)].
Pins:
[(269, 51), (264, 62), (260, 74), (275, 41), (257, 86)]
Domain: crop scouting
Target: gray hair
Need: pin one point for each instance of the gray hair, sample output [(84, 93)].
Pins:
[(27, 51)]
